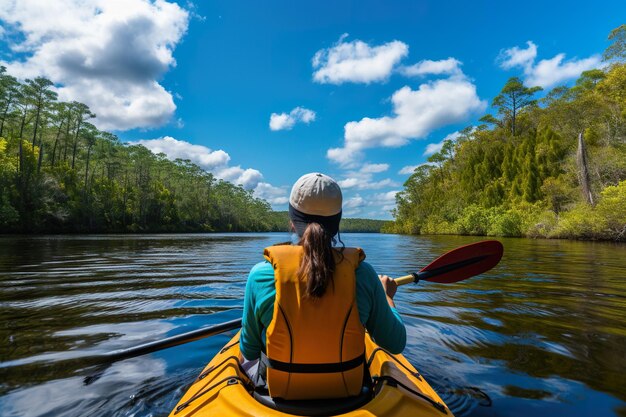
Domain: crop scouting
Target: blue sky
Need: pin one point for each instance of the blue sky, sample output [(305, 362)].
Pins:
[(260, 93)]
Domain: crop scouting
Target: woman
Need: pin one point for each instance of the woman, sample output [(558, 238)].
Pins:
[(307, 306)]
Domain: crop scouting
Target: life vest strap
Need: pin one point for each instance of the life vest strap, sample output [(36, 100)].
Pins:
[(316, 368)]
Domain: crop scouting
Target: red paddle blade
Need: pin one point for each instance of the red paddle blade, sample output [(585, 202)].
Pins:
[(463, 262)]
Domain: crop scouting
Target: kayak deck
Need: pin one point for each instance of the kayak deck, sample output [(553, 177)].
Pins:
[(223, 389)]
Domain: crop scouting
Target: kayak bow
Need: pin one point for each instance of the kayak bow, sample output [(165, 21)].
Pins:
[(396, 389)]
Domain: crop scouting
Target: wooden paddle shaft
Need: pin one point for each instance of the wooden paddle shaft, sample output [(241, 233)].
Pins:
[(407, 279), (433, 272)]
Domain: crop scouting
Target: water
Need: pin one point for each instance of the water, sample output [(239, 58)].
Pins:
[(544, 333)]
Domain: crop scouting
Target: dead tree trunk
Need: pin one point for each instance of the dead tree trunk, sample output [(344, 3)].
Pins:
[(583, 170)]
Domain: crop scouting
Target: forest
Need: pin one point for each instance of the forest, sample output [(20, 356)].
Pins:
[(59, 173), (550, 167)]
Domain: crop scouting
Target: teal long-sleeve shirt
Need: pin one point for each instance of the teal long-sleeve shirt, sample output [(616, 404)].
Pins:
[(382, 322)]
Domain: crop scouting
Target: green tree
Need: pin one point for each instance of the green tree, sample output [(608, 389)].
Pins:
[(513, 99), (617, 49), (9, 92), (558, 193), (90, 182), (80, 114), (527, 184), (40, 96)]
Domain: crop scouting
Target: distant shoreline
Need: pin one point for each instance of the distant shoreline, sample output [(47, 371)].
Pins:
[(130, 234)]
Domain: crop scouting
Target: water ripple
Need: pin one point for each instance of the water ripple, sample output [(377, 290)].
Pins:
[(541, 334)]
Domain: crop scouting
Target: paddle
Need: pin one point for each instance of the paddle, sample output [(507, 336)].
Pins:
[(458, 264), (102, 362), (121, 354)]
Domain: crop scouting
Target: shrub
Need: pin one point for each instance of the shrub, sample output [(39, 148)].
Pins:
[(544, 226), (436, 224), (8, 215), (474, 220), (612, 208), (508, 223), (582, 221)]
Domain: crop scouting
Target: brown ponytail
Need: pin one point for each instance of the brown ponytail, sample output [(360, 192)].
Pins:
[(318, 264)]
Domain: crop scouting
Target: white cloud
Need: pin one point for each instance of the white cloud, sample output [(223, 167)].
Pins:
[(215, 162), (408, 170), (359, 200), (198, 154), (376, 204), (518, 57), (354, 202), (248, 178), (108, 54), (359, 184), (388, 197), (450, 66), (455, 135), (416, 113), (547, 72), (271, 194), (354, 206), (362, 179), (374, 168), (349, 182), (357, 62), (432, 148), (284, 121), (348, 158), (386, 201)]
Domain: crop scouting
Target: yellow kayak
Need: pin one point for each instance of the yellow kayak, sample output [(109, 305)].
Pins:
[(396, 389)]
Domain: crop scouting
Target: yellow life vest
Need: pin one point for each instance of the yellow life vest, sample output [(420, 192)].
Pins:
[(315, 346)]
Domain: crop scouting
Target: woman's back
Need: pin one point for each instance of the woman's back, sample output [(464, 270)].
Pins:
[(384, 323), (306, 309)]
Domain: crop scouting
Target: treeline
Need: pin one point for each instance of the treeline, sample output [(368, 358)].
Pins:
[(59, 173), (554, 167), (280, 222), (355, 225)]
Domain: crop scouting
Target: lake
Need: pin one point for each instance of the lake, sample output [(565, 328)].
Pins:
[(542, 334)]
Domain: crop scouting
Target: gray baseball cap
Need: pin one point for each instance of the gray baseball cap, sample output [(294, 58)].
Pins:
[(315, 198), (316, 194)]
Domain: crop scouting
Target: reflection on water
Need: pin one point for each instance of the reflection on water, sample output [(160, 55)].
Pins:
[(543, 333)]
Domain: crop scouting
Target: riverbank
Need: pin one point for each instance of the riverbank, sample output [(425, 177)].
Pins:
[(278, 222), (550, 165), (604, 221)]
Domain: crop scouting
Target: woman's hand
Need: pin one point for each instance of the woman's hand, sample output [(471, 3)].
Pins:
[(390, 287)]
